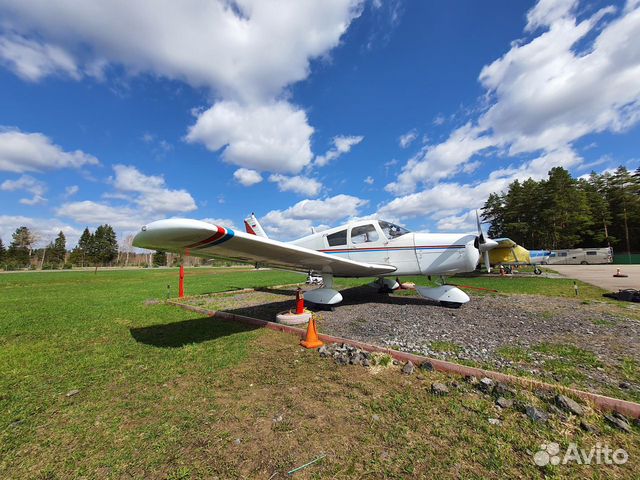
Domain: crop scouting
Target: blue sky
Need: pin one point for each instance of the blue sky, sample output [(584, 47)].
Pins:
[(307, 113)]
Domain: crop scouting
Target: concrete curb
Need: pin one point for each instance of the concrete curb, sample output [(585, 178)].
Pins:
[(600, 402)]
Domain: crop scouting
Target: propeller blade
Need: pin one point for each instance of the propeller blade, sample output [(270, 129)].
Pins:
[(486, 261), (480, 234)]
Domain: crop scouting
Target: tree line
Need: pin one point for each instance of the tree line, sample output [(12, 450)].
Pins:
[(99, 248), (602, 210), (94, 249)]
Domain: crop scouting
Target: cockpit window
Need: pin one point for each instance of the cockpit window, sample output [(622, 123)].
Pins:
[(338, 238), (391, 230), (364, 234)]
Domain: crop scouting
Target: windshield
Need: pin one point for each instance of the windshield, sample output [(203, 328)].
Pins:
[(391, 230)]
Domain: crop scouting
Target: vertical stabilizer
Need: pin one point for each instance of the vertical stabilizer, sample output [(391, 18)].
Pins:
[(252, 226)]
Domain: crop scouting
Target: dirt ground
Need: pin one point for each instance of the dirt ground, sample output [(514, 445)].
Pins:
[(593, 346)]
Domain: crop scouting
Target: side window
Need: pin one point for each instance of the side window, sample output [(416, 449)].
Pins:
[(592, 253), (364, 234), (338, 238), (563, 254)]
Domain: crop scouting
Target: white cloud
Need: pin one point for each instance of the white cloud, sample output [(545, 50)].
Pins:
[(92, 214), (448, 199), (341, 145), (32, 61), (146, 198), (29, 184), (274, 137), (152, 194), (298, 219), (298, 184), (71, 190), (408, 138), (34, 152), (248, 49), (44, 229), (437, 162), (573, 79), (247, 177), (369, 180)]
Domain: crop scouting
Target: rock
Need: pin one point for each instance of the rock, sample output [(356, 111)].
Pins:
[(486, 385), (502, 390), (323, 351), (236, 441), (375, 417), (621, 417), (625, 385), (72, 393), (569, 405), (455, 384), (636, 422), (428, 366), (543, 395), (354, 359), (439, 389), (504, 402), (494, 421), (470, 379), (341, 359), (365, 362), (408, 368), (16, 423), (278, 419), (396, 362), (587, 427), (618, 423), (536, 414)]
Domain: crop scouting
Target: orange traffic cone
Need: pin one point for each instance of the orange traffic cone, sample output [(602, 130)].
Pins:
[(312, 340)]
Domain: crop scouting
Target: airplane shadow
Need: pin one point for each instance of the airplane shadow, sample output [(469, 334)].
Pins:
[(178, 334)]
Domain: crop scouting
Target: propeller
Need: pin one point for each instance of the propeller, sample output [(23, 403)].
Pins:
[(484, 244)]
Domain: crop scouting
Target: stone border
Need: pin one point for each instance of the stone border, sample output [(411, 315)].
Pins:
[(601, 402)]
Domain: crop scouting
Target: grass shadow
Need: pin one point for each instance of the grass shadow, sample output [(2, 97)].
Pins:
[(185, 332)]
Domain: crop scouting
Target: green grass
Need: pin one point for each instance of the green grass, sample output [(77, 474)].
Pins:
[(165, 394), (63, 331), (444, 346)]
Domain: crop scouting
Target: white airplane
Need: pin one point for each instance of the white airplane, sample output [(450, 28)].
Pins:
[(363, 248)]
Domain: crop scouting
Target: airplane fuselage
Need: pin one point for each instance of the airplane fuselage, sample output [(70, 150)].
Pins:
[(411, 253)]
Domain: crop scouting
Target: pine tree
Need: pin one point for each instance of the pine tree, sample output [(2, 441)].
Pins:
[(84, 246), (103, 249), (19, 251), (58, 249), (3, 253)]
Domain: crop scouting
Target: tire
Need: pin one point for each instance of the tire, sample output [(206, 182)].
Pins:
[(584, 262), (537, 271)]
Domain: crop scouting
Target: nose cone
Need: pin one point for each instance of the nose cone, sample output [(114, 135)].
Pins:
[(488, 245), (173, 235)]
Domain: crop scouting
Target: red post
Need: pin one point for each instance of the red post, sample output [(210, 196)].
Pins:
[(299, 302), (181, 285)]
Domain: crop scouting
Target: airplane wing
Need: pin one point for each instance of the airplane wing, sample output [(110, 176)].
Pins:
[(201, 239), (504, 243)]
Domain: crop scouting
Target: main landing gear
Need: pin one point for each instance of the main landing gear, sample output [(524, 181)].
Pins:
[(449, 296), (326, 296)]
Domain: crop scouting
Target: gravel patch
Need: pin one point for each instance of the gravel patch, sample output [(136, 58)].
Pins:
[(477, 333)]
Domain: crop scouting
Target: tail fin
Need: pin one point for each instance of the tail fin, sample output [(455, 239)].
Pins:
[(252, 225)]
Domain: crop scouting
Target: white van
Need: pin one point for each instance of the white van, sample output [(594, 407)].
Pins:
[(581, 256)]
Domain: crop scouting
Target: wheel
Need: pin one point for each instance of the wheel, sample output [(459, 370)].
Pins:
[(450, 304), (537, 271), (584, 262)]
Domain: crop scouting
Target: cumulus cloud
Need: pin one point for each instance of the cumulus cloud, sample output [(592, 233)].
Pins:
[(29, 184), (298, 219), (369, 180), (32, 60), (407, 139), (274, 136), (297, 184), (341, 145), (247, 177), (146, 198), (44, 229), (34, 152), (569, 79), (448, 199), (246, 52)]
